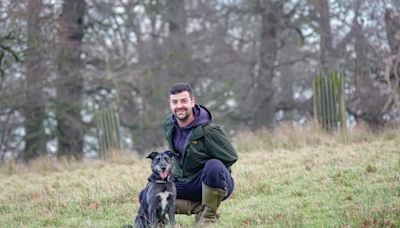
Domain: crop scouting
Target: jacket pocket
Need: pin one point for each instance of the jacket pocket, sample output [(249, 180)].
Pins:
[(196, 156)]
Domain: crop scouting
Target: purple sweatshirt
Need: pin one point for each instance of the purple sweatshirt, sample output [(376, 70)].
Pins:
[(202, 116)]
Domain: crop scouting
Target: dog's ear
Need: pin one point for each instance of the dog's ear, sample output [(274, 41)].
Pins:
[(170, 154), (152, 155)]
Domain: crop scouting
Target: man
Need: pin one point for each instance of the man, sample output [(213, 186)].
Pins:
[(204, 156)]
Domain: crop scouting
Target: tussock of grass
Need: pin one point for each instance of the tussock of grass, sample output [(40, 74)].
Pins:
[(289, 177), (292, 138)]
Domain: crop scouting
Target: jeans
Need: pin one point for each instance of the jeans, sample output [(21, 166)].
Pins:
[(214, 175)]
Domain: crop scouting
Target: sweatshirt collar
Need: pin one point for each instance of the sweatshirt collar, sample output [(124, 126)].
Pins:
[(201, 116)]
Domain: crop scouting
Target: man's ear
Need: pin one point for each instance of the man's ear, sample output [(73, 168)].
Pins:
[(194, 101), (152, 155)]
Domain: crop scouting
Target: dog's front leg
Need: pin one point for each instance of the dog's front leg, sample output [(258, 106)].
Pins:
[(171, 213), (153, 215)]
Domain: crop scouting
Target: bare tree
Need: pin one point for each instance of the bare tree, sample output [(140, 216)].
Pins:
[(11, 87), (392, 66), (34, 108), (178, 59), (70, 130), (271, 13), (260, 105), (250, 62)]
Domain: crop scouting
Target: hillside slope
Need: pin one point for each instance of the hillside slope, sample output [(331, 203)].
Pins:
[(287, 178)]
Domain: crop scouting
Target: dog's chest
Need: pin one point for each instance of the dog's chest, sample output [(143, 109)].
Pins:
[(163, 199)]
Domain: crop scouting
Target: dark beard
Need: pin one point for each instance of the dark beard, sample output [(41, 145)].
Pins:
[(184, 118)]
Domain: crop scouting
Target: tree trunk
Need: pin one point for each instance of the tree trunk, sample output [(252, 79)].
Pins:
[(322, 14), (361, 61), (392, 25), (178, 55), (262, 97), (268, 53), (70, 82), (34, 110)]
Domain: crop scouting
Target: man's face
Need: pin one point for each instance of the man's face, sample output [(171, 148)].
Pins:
[(181, 105)]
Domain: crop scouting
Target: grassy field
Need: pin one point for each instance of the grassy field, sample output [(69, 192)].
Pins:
[(289, 178)]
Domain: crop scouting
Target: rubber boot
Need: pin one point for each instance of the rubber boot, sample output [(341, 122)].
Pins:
[(211, 199), (188, 207)]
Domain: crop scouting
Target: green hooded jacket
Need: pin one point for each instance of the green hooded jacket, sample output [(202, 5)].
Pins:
[(204, 142)]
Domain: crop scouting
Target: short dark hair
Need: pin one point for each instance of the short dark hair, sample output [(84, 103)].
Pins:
[(179, 88)]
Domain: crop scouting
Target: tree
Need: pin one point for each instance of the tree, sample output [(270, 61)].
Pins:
[(5, 51), (260, 103), (271, 13), (392, 66), (250, 62), (34, 108), (70, 129)]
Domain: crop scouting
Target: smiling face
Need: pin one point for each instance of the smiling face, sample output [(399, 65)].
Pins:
[(181, 105)]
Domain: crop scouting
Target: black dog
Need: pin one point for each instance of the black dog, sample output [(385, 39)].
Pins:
[(160, 193)]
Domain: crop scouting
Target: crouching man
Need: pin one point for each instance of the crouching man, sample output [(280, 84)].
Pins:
[(202, 168)]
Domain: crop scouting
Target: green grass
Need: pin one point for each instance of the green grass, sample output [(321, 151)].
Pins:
[(288, 178)]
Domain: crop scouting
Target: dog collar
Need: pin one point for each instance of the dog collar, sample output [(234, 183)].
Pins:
[(153, 179)]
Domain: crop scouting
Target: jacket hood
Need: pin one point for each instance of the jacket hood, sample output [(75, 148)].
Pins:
[(202, 116)]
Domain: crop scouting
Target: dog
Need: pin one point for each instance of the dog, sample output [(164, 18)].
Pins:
[(160, 193)]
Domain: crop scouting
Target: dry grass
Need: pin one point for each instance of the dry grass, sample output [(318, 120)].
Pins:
[(291, 177)]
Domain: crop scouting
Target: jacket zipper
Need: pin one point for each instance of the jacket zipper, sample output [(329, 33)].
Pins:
[(186, 153)]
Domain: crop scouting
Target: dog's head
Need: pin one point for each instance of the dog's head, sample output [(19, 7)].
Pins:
[(161, 163)]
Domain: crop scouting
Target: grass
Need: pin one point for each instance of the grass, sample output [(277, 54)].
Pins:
[(288, 178)]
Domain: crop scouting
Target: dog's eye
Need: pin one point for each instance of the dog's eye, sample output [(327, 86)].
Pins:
[(157, 159), (167, 159)]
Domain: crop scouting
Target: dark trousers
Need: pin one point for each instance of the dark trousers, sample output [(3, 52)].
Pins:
[(214, 175)]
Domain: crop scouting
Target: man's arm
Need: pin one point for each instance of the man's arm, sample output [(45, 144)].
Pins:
[(219, 146)]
